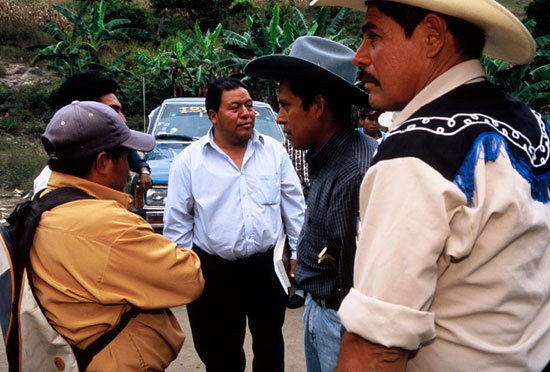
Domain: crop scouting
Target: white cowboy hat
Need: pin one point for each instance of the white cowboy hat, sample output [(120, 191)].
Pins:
[(505, 36), (315, 58)]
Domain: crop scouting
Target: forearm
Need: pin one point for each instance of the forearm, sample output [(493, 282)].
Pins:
[(359, 355), (136, 162)]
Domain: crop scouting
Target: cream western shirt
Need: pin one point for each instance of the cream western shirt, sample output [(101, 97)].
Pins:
[(94, 258), (468, 286)]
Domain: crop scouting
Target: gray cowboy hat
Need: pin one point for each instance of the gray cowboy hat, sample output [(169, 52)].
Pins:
[(314, 57), (505, 36)]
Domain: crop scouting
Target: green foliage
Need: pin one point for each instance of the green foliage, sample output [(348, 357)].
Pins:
[(268, 37), (21, 159), (15, 33), (205, 12), (25, 109), (80, 49), (142, 24), (539, 11), (9, 125), (4, 92), (529, 83), (186, 69), (261, 38)]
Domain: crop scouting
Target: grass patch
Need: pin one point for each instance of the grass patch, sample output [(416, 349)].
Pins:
[(21, 160)]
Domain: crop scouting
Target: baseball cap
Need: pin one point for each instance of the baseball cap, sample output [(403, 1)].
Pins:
[(85, 128)]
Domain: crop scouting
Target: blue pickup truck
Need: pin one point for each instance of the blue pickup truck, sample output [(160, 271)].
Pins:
[(176, 123)]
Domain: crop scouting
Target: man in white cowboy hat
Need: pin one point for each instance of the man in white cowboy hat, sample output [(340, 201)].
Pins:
[(316, 92), (452, 271)]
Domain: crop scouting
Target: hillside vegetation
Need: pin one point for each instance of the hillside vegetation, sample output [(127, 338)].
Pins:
[(160, 49)]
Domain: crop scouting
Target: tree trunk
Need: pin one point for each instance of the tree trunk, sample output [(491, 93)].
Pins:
[(159, 29)]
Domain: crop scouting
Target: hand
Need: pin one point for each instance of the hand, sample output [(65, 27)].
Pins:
[(292, 267), (146, 181), (359, 355)]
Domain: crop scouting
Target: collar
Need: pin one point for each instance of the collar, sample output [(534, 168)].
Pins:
[(466, 72), (317, 159), (96, 190), (208, 138)]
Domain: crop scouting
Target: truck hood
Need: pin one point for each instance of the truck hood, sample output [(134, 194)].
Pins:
[(161, 158), (159, 170)]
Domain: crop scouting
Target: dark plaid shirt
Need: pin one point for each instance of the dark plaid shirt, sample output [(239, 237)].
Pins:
[(298, 159), (332, 213)]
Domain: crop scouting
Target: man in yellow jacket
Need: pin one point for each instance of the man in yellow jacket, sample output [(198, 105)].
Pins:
[(93, 260)]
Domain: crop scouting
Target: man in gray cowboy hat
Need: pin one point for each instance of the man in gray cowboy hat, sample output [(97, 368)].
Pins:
[(452, 271), (316, 92)]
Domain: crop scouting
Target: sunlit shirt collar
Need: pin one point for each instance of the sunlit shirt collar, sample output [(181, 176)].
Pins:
[(467, 72)]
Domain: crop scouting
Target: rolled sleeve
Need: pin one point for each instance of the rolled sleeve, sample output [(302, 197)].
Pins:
[(405, 210), (386, 324)]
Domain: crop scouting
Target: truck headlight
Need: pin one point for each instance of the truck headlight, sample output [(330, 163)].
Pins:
[(156, 196)]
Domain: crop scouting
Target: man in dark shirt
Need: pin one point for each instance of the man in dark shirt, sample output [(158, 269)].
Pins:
[(316, 92)]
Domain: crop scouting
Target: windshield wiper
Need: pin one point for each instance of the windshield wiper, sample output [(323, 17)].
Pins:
[(174, 136)]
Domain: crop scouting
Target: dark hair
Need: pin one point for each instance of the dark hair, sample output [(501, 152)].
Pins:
[(364, 112), (470, 39), (81, 167), (85, 86), (216, 88), (306, 88)]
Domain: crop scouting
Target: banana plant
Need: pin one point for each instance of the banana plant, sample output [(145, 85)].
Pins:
[(66, 54), (318, 27), (190, 66), (260, 39), (79, 49), (529, 83)]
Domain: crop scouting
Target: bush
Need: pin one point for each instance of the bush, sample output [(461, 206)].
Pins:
[(5, 92), (8, 125), (28, 108), (21, 160), (132, 100), (539, 10), (17, 36), (138, 15)]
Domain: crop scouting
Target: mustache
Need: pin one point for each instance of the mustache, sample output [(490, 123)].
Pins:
[(365, 77)]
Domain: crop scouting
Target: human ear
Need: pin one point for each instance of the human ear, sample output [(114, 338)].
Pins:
[(212, 116), (102, 163), (435, 29), (320, 105)]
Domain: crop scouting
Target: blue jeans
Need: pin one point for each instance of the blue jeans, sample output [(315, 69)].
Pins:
[(322, 337)]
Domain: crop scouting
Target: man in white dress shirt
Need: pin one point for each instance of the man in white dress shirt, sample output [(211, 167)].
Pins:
[(452, 271), (230, 195)]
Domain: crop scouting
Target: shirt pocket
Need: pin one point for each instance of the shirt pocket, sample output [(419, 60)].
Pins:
[(268, 189)]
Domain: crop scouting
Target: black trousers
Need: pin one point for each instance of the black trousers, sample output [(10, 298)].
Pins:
[(233, 292)]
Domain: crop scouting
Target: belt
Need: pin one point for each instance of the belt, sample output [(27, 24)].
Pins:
[(329, 303), (269, 252)]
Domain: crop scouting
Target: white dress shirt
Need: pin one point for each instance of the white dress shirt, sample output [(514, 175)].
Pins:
[(230, 212)]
